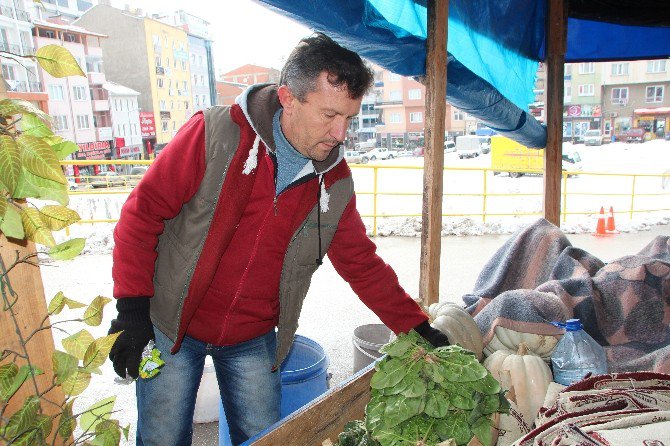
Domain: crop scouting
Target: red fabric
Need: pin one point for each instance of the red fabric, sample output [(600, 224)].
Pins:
[(243, 202)]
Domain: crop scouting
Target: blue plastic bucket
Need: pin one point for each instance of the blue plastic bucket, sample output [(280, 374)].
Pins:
[(304, 376)]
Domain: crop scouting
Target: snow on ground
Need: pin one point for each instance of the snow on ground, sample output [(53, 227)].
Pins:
[(331, 311)]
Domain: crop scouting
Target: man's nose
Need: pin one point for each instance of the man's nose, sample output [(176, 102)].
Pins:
[(338, 130)]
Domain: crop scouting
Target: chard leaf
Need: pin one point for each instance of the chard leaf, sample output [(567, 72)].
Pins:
[(437, 406), (482, 430), (391, 373), (399, 409), (454, 426)]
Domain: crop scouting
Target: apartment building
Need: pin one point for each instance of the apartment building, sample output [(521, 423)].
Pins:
[(21, 76), (67, 10), (150, 57), (251, 74), (125, 117)]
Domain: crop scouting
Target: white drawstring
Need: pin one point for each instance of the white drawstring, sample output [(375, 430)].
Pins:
[(252, 161), (325, 197)]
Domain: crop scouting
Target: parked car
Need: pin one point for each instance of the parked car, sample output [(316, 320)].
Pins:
[(449, 146), (635, 134), (404, 153), (108, 179), (485, 144), (593, 138), (382, 153), (136, 174), (354, 157)]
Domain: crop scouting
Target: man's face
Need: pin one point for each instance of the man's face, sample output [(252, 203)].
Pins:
[(317, 125)]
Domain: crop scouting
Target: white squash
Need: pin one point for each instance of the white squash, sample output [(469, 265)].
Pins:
[(528, 375), (507, 339), (458, 325)]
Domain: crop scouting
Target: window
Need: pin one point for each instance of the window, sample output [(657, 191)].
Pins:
[(164, 126), (195, 79), (162, 105), (416, 117), (8, 72), (125, 131), (654, 93), (394, 77), (158, 61), (567, 92), (82, 122), (414, 94), (69, 37), (183, 65), (184, 86), (171, 105), (200, 60), (587, 68), (196, 100), (79, 93), (395, 95), (159, 82), (156, 39), (56, 92), (620, 69), (394, 118), (620, 96), (185, 105), (202, 80), (656, 66), (192, 59), (458, 115), (60, 122), (586, 90)]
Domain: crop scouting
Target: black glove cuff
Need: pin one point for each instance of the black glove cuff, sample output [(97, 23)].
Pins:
[(133, 309), (424, 329)]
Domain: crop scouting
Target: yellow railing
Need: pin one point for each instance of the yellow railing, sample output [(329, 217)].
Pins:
[(632, 194)]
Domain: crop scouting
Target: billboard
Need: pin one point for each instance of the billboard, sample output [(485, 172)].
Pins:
[(147, 125)]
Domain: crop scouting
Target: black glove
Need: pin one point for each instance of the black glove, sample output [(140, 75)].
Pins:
[(135, 322), (432, 335)]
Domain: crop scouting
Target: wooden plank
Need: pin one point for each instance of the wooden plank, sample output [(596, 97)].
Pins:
[(436, 88), (557, 21), (325, 417), (24, 283)]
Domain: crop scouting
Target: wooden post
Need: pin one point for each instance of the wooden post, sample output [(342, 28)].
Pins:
[(433, 161), (556, 29)]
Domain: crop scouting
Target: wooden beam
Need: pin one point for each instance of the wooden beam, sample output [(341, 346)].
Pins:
[(556, 30), (325, 417), (433, 161)]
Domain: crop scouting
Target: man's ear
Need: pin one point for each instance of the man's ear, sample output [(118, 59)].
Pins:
[(286, 98)]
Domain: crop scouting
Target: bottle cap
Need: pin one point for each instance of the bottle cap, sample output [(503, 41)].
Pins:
[(573, 325)]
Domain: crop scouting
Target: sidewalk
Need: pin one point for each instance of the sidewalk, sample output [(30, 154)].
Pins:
[(332, 311)]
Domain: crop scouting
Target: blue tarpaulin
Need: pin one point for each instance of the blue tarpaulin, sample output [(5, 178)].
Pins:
[(494, 48)]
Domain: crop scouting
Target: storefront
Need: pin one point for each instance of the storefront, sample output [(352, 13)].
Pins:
[(95, 150), (148, 130), (653, 120), (577, 119)]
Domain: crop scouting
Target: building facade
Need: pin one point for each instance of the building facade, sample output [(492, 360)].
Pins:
[(125, 117)]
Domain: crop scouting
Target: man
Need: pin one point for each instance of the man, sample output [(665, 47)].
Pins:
[(216, 246)]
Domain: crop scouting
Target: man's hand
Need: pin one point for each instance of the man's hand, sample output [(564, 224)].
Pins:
[(135, 322), (432, 335)]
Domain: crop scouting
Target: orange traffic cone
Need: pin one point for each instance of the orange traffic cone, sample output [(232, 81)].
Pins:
[(611, 227), (600, 227)]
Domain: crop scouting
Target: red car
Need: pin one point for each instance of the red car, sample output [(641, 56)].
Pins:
[(635, 134)]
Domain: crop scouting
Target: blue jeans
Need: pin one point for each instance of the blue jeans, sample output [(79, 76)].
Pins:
[(250, 391)]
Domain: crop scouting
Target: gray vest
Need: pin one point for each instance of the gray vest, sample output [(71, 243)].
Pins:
[(182, 241)]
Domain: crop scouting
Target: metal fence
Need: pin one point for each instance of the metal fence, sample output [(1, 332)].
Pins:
[(387, 191)]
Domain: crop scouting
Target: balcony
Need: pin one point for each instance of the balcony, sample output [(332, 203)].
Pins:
[(103, 133), (20, 86), (100, 105), (160, 70), (36, 87), (6, 11), (96, 78), (388, 102), (10, 48), (22, 15)]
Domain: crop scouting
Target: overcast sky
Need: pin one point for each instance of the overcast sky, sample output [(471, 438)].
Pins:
[(243, 31)]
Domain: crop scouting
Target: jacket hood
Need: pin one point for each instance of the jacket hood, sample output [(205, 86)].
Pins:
[(259, 103)]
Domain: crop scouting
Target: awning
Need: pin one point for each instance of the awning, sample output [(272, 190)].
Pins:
[(652, 111)]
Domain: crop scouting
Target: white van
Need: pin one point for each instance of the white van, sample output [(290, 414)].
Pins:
[(468, 146), (366, 145), (381, 153)]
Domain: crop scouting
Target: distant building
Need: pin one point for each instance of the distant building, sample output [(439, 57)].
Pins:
[(251, 74), (226, 92), (125, 116)]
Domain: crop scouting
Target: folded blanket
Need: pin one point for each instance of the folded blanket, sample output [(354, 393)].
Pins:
[(538, 277)]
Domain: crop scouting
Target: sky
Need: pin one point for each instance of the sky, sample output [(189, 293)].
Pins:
[(243, 31)]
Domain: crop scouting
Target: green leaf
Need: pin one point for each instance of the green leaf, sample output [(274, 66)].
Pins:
[(67, 422), (43, 425), (76, 383), (398, 347), (97, 352), (23, 418), (57, 303), (34, 227), (68, 249), (399, 409), (437, 406), (389, 375), (417, 387), (31, 185), (77, 344), (11, 224), (10, 163), (454, 426), (93, 314), (12, 378), (107, 433), (482, 430), (64, 365), (95, 413), (73, 304), (57, 217), (488, 385), (462, 367), (11, 107), (64, 148), (58, 61), (34, 126), (125, 431), (39, 159)]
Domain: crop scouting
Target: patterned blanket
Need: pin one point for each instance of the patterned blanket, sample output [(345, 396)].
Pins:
[(538, 277)]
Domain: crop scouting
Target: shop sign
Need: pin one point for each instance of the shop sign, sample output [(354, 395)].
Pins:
[(574, 110), (129, 150), (96, 150), (147, 125)]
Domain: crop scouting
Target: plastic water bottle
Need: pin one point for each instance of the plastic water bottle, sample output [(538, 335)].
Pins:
[(577, 354)]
